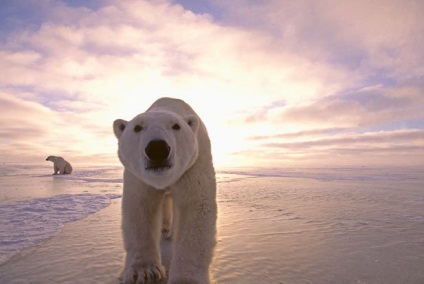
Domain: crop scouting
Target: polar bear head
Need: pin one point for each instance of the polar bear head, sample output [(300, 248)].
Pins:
[(158, 147)]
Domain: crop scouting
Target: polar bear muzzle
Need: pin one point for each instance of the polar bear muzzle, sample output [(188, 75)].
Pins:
[(157, 152)]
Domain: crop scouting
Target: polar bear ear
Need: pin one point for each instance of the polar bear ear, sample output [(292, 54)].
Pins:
[(193, 122), (119, 126)]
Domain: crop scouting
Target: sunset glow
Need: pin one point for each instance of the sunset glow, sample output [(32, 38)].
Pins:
[(277, 83)]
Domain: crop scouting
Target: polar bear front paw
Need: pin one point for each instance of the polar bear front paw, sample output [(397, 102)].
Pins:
[(141, 274)]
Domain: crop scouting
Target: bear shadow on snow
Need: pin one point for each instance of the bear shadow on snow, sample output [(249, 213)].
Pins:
[(169, 189)]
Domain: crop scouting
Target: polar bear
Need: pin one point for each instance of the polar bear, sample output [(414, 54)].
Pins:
[(166, 152), (60, 165)]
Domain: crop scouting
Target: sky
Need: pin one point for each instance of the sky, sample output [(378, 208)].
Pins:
[(278, 83)]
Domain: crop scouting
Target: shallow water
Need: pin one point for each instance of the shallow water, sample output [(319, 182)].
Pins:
[(34, 206), (275, 226), (295, 230)]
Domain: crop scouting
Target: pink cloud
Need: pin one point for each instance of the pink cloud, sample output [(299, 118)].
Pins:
[(79, 69)]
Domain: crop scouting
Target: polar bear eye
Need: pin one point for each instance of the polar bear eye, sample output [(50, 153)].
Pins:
[(176, 126), (138, 128)]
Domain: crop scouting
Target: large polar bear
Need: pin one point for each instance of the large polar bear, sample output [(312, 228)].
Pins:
[(166, 152), (60, 165)]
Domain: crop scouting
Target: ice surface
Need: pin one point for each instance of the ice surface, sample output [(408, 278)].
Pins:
[(326, 174), (35, 205), (26, 223), (311, 225)]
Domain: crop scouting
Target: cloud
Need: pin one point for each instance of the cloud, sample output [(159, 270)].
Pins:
[(359, 35), (75, 53), (115, 60), (373, 64), (374, 107), (400, 147), (25, 128), (291, 70), (382, 139), (29, 131), (302, 134), (261, 114), (17, 119), (363, 108), (70, 68)]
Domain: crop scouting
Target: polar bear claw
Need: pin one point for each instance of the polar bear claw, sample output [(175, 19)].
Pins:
[(144, 274)]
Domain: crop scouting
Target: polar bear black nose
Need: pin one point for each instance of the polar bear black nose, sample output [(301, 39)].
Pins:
[(157, 150)]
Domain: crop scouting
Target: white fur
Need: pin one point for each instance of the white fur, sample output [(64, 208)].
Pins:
[(60, 165), (189, 179)]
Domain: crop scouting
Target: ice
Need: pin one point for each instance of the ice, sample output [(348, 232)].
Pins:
[(28, 222), (280, 225), (34, 204), (324, 174)]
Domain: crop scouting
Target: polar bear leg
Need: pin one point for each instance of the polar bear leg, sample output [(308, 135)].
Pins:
[(195, 230), (56, 170), (167, 216), (68, 169), (141, 224)]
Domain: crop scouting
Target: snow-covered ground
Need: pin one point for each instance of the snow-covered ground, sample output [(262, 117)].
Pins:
[(310, 225)]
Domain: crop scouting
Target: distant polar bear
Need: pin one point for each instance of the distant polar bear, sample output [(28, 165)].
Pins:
[(60, 165), (166, 152)]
